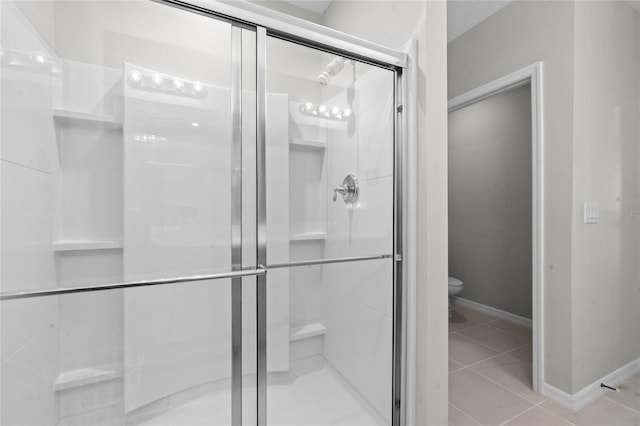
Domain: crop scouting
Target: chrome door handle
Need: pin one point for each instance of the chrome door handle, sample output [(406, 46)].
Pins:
[(350, 189), (340, 189)]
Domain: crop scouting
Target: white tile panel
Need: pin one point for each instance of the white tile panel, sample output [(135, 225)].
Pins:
[(364, 227), (358, 344), (27, 256)]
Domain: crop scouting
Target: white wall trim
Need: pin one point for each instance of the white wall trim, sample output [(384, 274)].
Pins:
[(489, 310), (593, 392), (532, 74), (410, 230), (511, 81)]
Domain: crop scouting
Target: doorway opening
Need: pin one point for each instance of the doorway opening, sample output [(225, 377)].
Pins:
[(495, 233)]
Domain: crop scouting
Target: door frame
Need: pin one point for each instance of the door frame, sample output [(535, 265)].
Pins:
[(533, 75)]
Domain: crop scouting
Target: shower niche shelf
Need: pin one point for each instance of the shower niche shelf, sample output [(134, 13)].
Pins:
[(307, 331), (77, 245), (78, 117), (309, 236), (304, 143), (89, 180), (308, 151), (83, 377)]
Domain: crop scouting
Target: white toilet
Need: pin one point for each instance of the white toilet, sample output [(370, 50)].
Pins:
[(455, 288)]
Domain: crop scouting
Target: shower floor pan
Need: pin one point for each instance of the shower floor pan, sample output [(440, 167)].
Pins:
[(318, 398)]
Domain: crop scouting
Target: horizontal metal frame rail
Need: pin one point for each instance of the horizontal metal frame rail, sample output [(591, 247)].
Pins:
[(295, 29), (12, 295), (26, 294), (327, 261)]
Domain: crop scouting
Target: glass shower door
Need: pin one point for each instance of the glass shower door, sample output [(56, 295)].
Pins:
[(141, 212), (329, 252), (124, 155)]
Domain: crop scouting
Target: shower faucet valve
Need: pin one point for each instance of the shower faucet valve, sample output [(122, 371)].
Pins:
[(349, 189)]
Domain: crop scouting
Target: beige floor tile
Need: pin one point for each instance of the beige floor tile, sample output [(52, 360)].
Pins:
[(454, 365), (467, 352), (524, 353), (493, 338), (602, 412), (458, 418), (537, 417), (472, 314), (457, 322), (511, 373), (482, 400), (512, 328), (629, 394)]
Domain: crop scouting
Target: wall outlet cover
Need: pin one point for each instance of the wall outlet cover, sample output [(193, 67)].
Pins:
[(591, 212)]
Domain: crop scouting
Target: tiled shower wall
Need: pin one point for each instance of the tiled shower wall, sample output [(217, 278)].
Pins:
[(358, 296), (30, 346)]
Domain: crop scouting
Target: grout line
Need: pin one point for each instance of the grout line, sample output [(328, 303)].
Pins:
[(473, 341), (504, 332), (457, 369), (530, 340), (521, 413), (26, 167), (620, 404), (557, 415), (475, 363), (489, 347), (506, 388), (495, 319), (499, 353), (28, 342), (465, 328), (515, 349), (485, 359), (485, 322), (465, 413)]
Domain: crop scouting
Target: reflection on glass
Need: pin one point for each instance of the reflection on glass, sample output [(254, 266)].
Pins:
[(335, 364), (116, 144), (339, 122)]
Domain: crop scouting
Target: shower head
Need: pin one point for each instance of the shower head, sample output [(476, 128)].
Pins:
[(324, 78), (333, 68)]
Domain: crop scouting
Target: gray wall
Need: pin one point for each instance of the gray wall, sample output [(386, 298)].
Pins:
[(606, 256), (490, 200), (590, 52), (518, 35)]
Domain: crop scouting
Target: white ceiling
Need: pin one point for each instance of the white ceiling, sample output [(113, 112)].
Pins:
[(462, 15), (316, 6)]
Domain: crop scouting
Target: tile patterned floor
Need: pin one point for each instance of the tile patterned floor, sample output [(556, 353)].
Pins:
[(490, 380)]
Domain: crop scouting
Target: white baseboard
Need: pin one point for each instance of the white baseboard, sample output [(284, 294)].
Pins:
[(508, 316), (593, 392)]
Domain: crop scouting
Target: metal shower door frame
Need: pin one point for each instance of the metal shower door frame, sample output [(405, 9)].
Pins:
[(266, 23), (399, 299)]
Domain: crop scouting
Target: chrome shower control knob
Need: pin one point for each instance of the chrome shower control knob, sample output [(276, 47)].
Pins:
[(349, 189), (340, 189)]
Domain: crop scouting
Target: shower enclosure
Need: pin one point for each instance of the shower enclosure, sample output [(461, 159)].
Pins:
[(201, 218)]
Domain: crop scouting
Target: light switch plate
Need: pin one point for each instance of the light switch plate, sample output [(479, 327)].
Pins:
[(591, 211)]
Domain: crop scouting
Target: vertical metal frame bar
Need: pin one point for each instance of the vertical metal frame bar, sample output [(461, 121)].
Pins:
[(397, 417), (236, 225), (261, 207)]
